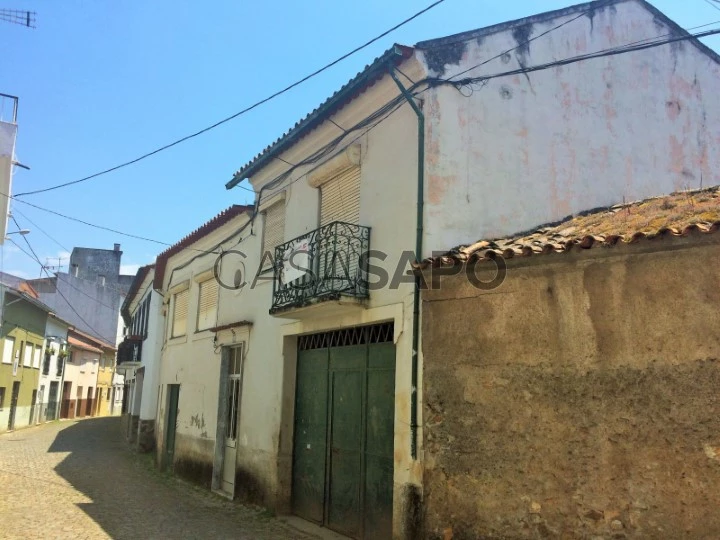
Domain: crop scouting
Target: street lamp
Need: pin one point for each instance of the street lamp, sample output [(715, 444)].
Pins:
[(22, 232)]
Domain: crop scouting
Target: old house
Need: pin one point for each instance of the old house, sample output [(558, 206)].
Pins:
[(82, 365), (90, 295), (428, 148), (103, 405), (53, 367), (139, 357), (22, 329), (577, 397), (191, 364)]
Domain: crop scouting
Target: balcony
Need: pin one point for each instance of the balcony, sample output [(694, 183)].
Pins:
[(130, 351), (323, 265)]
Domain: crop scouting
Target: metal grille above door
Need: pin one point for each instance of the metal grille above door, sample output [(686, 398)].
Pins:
[(344, 430), (359, 335), (340, 198)]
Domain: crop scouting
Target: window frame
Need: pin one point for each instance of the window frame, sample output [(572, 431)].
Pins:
[(185, 291)]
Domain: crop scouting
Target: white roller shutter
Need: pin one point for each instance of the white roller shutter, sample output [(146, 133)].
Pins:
[(274, 233), (207, 304), (8, 349), (27, 357), (340, 198), (180, 313)]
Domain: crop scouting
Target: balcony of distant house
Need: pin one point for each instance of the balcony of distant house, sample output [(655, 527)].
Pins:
[(327, 264), (130, 351)]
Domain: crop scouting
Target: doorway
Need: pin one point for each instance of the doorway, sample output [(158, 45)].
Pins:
[(79, 402), (173, 397), (233, 398), (51, 411), (66, 408), (13, 404), (342, 474)]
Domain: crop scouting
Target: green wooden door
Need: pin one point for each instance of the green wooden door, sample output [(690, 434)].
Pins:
[(171, 426), (308, 482), (344, 429)]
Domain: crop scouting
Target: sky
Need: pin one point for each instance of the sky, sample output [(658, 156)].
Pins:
[(102, 82)]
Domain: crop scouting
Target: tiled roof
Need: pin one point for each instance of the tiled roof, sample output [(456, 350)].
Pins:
[(134, 289), (349, 91), (215, 223), (87, 341), (677, 214)]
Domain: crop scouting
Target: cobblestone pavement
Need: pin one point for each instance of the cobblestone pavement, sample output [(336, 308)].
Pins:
[(78, 479)]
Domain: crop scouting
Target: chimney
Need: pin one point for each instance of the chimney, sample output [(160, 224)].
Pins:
[(116, 247)]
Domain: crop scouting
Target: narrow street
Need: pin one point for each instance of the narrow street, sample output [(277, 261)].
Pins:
[(79, 480)]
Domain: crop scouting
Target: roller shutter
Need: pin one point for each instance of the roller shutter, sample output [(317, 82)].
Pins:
[(340, 198)]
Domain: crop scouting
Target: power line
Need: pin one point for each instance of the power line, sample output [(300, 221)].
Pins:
[(622, 49), (40, 229), (36, 259), (239, 113), (389, 108), (713, 4)]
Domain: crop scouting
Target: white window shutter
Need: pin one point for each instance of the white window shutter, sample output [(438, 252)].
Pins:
[(180, 313), (8, 348), (27, 358), (340, 198), (274, 233), (207, 304)]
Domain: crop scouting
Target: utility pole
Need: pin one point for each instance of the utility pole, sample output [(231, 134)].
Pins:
[(17, 16)]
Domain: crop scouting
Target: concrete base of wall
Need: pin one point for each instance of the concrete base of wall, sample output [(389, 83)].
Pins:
[(133, 428), (146, 435)]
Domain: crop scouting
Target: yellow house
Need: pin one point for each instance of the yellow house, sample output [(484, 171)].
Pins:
[(104, 398)]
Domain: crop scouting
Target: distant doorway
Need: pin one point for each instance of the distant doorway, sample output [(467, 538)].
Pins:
[(13, 404), (173, 397)]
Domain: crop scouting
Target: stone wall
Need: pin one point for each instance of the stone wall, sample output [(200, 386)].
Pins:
[(579, 399)]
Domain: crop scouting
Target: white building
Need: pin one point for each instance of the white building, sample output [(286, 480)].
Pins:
[(139, 357), (51, 373), (306, 390)]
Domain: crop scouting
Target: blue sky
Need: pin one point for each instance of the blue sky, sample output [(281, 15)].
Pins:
[(102, 82)]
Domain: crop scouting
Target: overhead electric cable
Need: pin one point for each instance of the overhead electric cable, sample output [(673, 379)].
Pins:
[(239, 113)]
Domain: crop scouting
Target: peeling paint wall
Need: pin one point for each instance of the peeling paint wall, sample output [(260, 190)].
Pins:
[(533, 148), (579, 399)]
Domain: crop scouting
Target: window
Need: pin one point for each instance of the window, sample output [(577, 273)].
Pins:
[(8, 349), (27, 357), (2, 397), (235, 360), (340, 198), (37, 356), (207, 304), (180, 313), (273, 232)]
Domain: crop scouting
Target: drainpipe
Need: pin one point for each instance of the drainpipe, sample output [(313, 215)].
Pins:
[(418, 257)]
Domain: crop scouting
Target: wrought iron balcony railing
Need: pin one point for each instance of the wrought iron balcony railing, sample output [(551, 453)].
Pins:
[(325, 264), (130, 350)]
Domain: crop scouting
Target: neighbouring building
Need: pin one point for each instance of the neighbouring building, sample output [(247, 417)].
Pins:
[(90, 295), (139, 357), (577, 399), (292, 363), (104, 388), (192, 364), (82, 365), (22, 328), (51, 372), (8, 135), (480, 134)]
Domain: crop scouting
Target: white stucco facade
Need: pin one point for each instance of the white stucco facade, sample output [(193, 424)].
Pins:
[(50, 379), (517, 152)]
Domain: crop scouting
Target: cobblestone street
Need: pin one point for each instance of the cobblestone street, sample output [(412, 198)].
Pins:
[(79, 480)]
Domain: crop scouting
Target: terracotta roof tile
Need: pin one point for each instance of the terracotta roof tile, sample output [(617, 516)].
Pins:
[(678, 214), (215, 223)]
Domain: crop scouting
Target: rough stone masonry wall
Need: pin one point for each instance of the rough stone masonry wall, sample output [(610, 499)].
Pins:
[(581, 399)]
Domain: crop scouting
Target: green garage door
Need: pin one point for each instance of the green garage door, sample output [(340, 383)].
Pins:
[(344, 416)]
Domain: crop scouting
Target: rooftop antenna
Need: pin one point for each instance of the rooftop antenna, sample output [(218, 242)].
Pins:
[(17, 16)]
